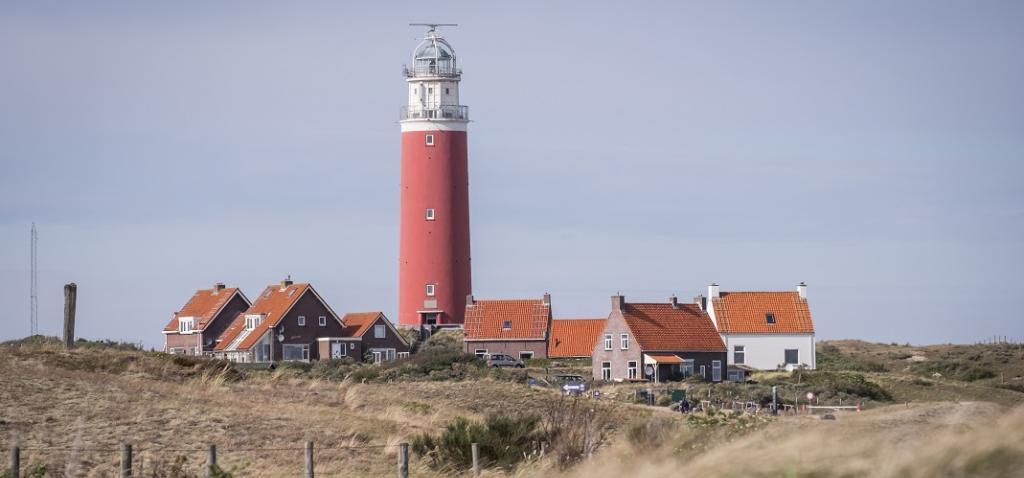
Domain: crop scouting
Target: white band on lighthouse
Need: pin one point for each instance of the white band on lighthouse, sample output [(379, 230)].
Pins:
[(433, 125)]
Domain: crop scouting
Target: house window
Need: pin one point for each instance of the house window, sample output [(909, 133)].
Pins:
[(769, 317), (480, 353), (378, 331), (323, 321), (792, 356), (403, 355), (687, 367), (738, 354), (624, 341), (295, 352), (716, 370), (177, 351), (251, 321), (431, 290), (382, 355), (703, 372), (525, 355), (606, 370), (446, 91), (430, 140), (302, 321), (607, 341), (430, 91), (430, 214), (185, 325), (631, 370), (506, 324)]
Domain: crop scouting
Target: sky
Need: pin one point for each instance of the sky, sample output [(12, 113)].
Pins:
[(874, 150)]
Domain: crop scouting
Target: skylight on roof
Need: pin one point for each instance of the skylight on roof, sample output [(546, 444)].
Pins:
[(769, 317), (507, 325)]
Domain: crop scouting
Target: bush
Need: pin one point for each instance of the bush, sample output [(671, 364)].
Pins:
[(830, 358), (952, 368), (333, 369), (503, 441), (848, 383), (977, 373)]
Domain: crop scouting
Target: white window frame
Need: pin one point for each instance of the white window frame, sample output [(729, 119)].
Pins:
[(402, 355), (716, 370), (252, 321), (302, 320), (606, 371), (703, 372), (525, 354), (323, 320), (382, 354), (342, 347), (430, 214), (186, 325), (429, 139), (304, 352), (688, 368), (631, 369), (624, 341), (431, 290), (607, 341), (739, 354), (480, 353), (379, 331)]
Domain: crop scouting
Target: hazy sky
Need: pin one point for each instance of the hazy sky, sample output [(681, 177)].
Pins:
[(874, 150)]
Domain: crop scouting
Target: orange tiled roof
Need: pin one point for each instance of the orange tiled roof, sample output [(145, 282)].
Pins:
[(272, 303), (574, 337), (662, 327), (744, 312), (485, 319), (231, 332), (204, 306), (357, 323)]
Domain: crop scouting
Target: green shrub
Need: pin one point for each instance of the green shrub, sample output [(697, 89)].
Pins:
[(952, 368), (830, 358), (333, 369), (977, 373), (503, 442)]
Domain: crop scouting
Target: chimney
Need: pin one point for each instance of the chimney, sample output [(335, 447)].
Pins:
[(701, 302), (287, 281), (470, 300), (218, 287), (618, 302), (674, 301), (801, 289), (713, 291), (547, 299)]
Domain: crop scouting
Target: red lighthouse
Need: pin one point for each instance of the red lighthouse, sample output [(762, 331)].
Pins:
[(434, 269)]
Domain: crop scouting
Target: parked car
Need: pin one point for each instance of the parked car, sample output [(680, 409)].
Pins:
[(571, 384), (502, 360)]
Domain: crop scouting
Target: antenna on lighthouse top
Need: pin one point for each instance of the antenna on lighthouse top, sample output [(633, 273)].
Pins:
[(432, 27)]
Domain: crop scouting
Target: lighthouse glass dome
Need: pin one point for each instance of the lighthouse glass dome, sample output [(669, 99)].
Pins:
[(433, 57)]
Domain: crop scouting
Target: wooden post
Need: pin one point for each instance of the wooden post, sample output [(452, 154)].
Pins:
[(211, 461), (126, 458), (309, 459), (475, 448), (403, 460), (70, 298), (15, 462)]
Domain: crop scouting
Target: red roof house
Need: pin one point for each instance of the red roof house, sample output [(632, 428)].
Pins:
[(194, 329), (366, 336), (658, 342), (517, 327), (574, 338)]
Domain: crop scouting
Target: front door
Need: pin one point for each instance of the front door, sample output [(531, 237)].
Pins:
[(336, 350)]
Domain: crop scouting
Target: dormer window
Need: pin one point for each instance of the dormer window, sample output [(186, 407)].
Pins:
[(185, 324), (507, 324), (769, 317), (252, 321)]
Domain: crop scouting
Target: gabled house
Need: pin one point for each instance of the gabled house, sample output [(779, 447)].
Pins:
[(283, 323), (764, 330), (194, 329), (574, 338), (517, 327), (658, 342), (366, 336)]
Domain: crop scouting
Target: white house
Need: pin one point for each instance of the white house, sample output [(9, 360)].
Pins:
[(763, 330)]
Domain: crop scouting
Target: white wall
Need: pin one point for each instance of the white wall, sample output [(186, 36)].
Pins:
[(767, 351)]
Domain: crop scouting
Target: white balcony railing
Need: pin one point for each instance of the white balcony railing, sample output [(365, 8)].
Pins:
[(439, 112)]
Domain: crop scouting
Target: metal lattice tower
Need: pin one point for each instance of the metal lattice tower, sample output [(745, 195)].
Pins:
[(34, 292)]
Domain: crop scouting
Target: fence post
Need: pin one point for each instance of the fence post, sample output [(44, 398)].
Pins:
[(126, 460), (15, 462), (403, 460), (70, 301), (309, 459), (211, 461), (476, 459)]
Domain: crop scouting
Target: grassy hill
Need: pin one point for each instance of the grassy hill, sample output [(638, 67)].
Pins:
[(70, 410)]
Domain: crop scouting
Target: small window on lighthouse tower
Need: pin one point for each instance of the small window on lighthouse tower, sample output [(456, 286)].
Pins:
[(430, 140), (430, 214), (430, 290)]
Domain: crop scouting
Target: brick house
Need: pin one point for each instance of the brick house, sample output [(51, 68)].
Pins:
[(366, 336), (283, 324), (194, 329), (574, 338), (517, 327), (763, 330), (658, 342)]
